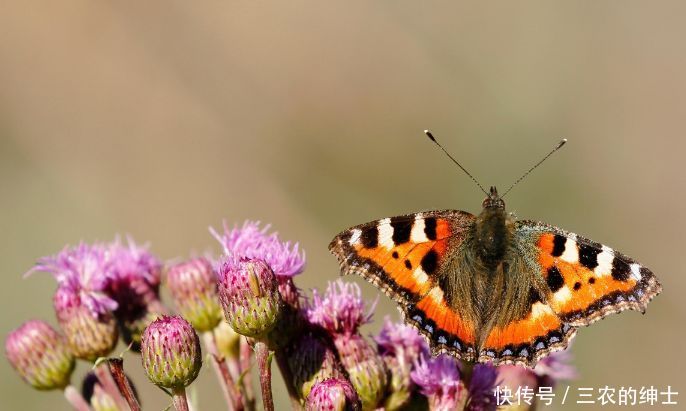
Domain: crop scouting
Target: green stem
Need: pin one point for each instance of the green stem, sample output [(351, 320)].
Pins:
[(265, 366), (228, 385), (117, 370), (179, 399)]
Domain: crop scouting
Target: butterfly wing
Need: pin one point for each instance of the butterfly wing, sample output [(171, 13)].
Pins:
[(584, 282), (587, 281), (404, 257)]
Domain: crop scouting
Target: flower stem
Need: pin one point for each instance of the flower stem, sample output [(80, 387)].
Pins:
[(246, 382), (117, 370), (108, 384), (231, 393), (264, 363), (75, 399), (179, 399)]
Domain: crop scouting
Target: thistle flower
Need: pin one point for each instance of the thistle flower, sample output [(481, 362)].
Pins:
[(481, 388), (341, 310), (251, 241), (249, 296), (170, 351), (82, 270), (90, 334), (312, 360), (438, 379), (399, 345), (40, 355), (333, 394), (555, 367), (132, 279), (193, 286), (365, 368)]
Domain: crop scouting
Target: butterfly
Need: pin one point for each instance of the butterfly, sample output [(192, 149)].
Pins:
[(489, 287)]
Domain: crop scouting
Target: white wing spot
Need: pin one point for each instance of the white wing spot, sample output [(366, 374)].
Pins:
[(386, 233), (571, 254), (605, 259), (563, 295), (355, 236), (418, 235), (636, 271)]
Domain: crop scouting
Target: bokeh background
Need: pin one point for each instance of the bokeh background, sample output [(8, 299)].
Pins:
[(160, 119)]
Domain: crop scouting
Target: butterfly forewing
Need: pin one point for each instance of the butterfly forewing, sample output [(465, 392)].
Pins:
[(404, 256)]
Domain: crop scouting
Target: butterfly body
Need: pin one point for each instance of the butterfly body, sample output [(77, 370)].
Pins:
[(491, 288)]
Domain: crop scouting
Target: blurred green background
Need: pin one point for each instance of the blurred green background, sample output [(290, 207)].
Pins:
[(159, 119)]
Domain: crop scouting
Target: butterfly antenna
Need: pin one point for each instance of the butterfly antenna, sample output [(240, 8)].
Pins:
[(432, 138), (559, 146)]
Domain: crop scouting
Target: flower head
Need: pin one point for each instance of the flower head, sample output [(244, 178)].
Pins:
[(341, 309), (132, 277), (555, 367), (438, 378), (333, 394), (90, 335), (170, 350), (400, 339), (83, 271), (193, 286), (251, 241), (366, 369), (40, 355), (249, 296)]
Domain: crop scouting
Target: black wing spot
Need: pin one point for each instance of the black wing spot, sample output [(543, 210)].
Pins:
[(430, 228), (534, 296), (402, 228), (555, 280), (395, 254), (588, 256), (408, 264), (370, 237), (558, 245), (591, 280), (577, 285), (430, 262), (620, 270)]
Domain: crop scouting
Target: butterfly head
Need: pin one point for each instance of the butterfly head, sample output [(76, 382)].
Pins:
[(493, 200)]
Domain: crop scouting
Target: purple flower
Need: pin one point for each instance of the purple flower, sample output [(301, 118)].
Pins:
[(400, 340), (249, 296), (438, 379), (341, 309), (82, 270), (333, 394), (193, 286), (481, 388), (251, 241), (170, 350), (133, 277), (555, 367), (40, 355)]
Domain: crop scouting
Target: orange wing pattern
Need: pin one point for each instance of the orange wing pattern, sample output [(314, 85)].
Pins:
[(589, 281), (403, 256)]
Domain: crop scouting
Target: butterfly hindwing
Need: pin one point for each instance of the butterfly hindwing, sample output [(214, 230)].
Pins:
[(587, 281), (403, 256)]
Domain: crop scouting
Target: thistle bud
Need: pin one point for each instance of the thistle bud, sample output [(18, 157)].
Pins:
[(365, 368), (249, 295), (311, 360), (193, 286), (40, 355), (333, 394), (90, 334), (170, 350)]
